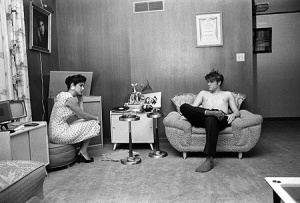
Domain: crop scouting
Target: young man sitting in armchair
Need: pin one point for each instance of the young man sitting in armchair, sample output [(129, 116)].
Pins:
[(211, 111)]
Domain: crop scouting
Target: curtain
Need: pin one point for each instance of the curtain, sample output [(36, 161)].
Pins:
[(14, 82)]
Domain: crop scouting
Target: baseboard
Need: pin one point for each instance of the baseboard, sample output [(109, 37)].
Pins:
[(161, 140), (282, 119)]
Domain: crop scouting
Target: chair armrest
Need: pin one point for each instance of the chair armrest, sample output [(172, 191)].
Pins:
[(174, 120), (247, 119), (246, 129)]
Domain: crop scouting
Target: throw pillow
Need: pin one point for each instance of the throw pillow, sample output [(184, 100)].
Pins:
[(238, 98), (180, 99)]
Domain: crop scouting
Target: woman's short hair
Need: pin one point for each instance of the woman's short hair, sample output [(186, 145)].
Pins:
[(214, 75), (75, 79)]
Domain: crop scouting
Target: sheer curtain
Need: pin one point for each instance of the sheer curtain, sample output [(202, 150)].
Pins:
[(14, 83)]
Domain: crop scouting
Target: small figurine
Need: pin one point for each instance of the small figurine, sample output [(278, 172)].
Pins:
[(136, 96), (134, 85)]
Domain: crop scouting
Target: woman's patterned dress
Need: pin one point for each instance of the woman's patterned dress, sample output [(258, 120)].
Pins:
[(63, 133)]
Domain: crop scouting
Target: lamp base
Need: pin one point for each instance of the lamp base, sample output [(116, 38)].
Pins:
[(158, 154), (131, 161)]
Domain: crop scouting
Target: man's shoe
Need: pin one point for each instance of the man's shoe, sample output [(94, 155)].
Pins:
[(206, 166)]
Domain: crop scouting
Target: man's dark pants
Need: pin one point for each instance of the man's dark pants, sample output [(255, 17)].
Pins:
[(196, 116)]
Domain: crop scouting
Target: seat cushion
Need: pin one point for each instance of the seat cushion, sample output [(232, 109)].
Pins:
[(12, 171), (60, 148), (61, 155), (20, 180), (195, 130)]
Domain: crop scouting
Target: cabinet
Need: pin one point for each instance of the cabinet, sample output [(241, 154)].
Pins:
[(141, 131), (93, 105), (31, 143)]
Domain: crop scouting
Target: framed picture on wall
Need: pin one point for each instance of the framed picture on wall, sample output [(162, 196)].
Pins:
[(262, 40), (209, 29), (39, 29)]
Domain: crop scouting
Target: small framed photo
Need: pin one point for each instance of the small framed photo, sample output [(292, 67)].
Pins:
[(262, 40), (39, 29), (153, 99), (209, 29)]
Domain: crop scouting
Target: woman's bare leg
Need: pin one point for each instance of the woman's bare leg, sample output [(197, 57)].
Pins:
[(83, 149)]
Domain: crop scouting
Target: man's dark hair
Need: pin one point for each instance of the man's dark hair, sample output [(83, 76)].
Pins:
[(214, 75), (75, 79)]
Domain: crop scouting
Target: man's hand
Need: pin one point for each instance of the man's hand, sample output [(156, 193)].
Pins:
[(230, 118), (217, 113), (220, 115)]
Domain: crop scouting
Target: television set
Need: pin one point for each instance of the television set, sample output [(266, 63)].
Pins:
[(11, 110)]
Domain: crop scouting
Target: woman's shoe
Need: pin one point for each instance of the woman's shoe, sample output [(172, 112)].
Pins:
[(80, 158)]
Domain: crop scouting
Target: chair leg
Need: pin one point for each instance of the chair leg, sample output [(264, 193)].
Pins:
[(240, 155), (184, 154)]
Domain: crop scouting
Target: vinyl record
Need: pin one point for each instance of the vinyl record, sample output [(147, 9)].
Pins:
[(120, 108)]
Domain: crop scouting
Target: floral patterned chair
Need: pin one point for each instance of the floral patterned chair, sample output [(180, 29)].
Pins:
[(241, 136), (21, 181)]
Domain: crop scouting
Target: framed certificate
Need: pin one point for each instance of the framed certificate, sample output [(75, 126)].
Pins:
[(209, 29)]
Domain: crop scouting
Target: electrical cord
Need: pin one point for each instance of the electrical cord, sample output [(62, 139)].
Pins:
[(42, 83)]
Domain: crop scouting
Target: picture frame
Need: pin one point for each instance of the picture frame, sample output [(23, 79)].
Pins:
[(262, 40), (39, 29), (153, 99), (209, 29)]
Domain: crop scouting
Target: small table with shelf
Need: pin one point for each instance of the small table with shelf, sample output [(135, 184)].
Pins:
[(130, 160), (142, 130), (30, 143), (157, 153)]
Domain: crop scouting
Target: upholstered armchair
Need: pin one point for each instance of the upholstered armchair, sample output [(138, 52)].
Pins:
[(241, 136), (21, 181)]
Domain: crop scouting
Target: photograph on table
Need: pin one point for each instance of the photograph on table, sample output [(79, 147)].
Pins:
[(153, 99)]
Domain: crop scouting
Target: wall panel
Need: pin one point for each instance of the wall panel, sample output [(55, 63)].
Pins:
[(162, 49), (121, 48), (93, 36), (278, 72), (40, 64)]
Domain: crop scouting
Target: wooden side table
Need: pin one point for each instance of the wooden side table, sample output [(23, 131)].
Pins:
[(142, 130)]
